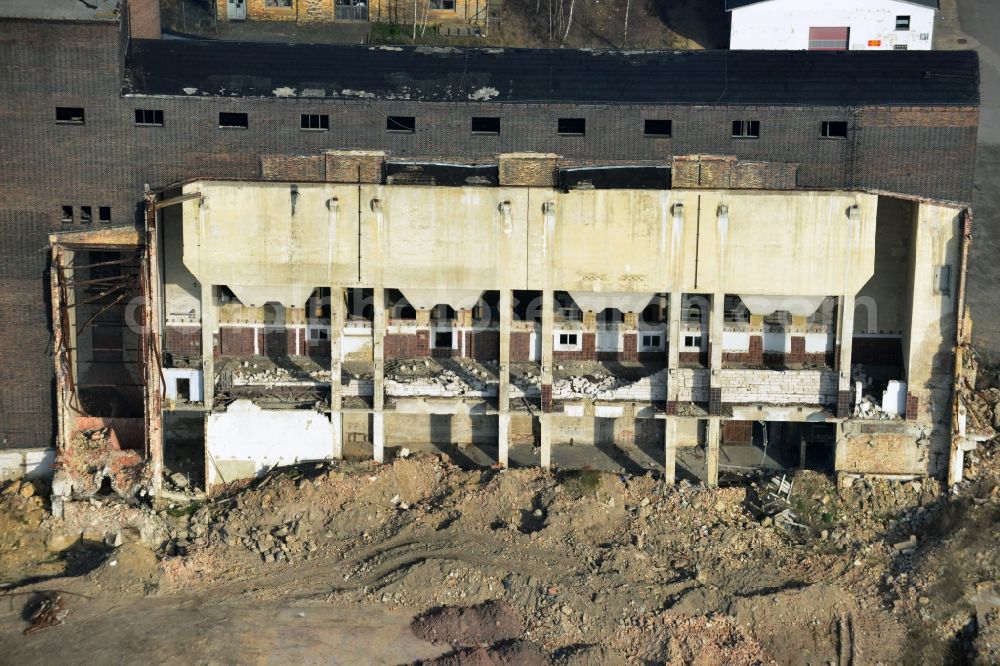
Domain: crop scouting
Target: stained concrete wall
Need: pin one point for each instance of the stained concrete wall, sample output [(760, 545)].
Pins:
[(879, 307), (181, 292), (608, 240), (929, 342)]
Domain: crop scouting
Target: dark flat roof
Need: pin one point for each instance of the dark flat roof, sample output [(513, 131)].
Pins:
[(434, 74), (736, 4)]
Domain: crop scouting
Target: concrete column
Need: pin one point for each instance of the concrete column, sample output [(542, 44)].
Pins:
[(670, 450), (378, 355), (673, 344), (546, 440), (713, 437), (503, 389), (845, 336), (336, 389), (715, 354), (548, 302), (208, 318), (715, 330), (589, 320)]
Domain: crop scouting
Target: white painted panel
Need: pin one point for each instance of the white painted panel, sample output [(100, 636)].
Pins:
[(777, 342), (819, 343), (894, 398), (170, 377), (609, 341), (39, 464), (609, 411), (264, 438), (736, 341)]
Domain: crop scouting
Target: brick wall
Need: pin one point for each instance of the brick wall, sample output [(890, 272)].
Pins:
[(536, 170), (293, 167), (737, 432), (183, 340), (482, 345), (407, 345), (237, 340), (520, 346), (887, 453), (587, 350), (778, 386)]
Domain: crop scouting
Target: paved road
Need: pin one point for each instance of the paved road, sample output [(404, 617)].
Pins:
[(979, 20)]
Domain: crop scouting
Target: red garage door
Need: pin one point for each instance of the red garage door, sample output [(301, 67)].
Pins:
[(828, 39)]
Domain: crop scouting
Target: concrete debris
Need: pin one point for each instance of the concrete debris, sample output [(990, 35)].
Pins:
[(93, 463)]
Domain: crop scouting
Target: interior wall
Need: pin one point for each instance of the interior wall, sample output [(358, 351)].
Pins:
[(879, 307), (181, 291)]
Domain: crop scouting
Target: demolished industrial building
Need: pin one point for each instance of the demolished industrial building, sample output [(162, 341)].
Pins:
[(698, 261)]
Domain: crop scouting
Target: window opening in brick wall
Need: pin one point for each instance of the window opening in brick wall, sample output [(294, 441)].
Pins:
[(149, 117), (833, 129), (746, 129), (229, 120), (657, 127), (899, 47), (86, 215), (902, 23), (69, 115), (442, 339), (485, 125), (572, 126), (652, 341), (443, 4), (401, 124), (67, 214), (569, 339), (315, 121), (104, 214), (692, 341)]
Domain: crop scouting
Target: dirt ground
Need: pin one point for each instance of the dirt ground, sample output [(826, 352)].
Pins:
[(329, 563)]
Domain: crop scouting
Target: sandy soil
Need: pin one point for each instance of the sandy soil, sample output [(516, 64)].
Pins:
[(329, 563)]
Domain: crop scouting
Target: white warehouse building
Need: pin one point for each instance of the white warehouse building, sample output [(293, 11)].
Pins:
[(832, 25)]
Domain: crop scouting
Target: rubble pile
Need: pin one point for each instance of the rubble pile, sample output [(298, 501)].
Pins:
[(983, 409), (268, 375), (593, 386), (457, 378), (867, 406), (564, 562), (92, 463)]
